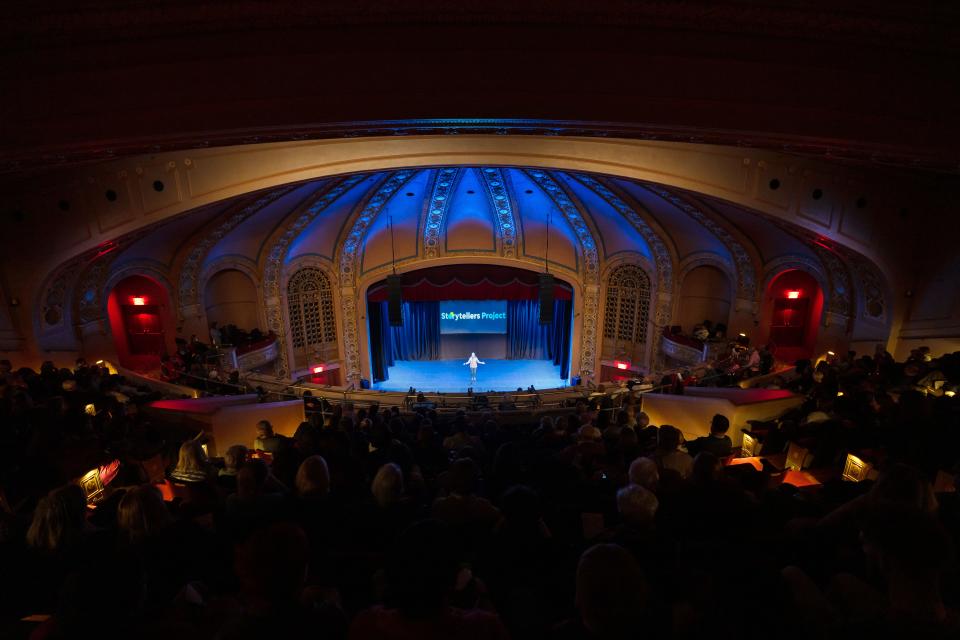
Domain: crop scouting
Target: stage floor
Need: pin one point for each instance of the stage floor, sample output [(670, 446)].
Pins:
[(451, 376)]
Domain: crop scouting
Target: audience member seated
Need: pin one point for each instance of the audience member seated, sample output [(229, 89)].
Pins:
[(422, 576), (669, 457), (192, 465), (327, 533), (611, 596), (462, 508), (233, 459), (717, 443), (266, 439)]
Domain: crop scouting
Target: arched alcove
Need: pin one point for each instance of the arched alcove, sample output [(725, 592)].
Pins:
[(230, 297), (141, 322), (705, 294), (792, 308)]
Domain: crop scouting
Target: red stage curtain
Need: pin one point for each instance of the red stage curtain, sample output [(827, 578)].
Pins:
[(469, 282)]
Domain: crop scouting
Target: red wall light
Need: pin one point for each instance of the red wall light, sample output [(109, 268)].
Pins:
[(138, 301), (793, 295), (621, 365), (318, 369)]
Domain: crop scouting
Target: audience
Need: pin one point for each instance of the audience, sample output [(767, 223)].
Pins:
[(578, 522), (717, 443)]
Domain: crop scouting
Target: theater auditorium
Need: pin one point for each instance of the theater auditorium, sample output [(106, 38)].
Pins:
[(522, 320)]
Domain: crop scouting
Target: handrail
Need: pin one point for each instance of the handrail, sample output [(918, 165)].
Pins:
[(210, 381)]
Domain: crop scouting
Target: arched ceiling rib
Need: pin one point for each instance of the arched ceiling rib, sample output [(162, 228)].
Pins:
[(341, 224)]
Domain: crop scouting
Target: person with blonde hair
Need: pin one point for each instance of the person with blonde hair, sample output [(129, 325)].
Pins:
[(313, 477), (142, 514), (192, 465), (59, 521)]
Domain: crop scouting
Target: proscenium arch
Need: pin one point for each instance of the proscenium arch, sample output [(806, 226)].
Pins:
[(569, 276)]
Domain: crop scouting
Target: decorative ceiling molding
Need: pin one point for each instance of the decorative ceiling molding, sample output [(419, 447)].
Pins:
[(273, 266), (663, 257), (70, 286), (572, 211), (840, 300), (876, 155), (503, 209), (188, 278), (806, 264), (349, 258), (747, 267), (591, 265), (445, 181)]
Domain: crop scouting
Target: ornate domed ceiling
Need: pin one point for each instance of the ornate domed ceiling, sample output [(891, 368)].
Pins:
[(356, 226)]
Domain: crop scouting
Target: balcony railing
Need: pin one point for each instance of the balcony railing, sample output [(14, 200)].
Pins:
[(248, 358)]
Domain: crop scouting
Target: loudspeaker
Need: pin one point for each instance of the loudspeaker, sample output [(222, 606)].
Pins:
[(546, 298), (394, 296)]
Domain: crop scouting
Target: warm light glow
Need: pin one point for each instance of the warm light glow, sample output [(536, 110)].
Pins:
[(831, 353), (138, 301), (99, 361), (318, 369), (793, 295), (949, 394), (206, 451), (742, 335), (90, 410), (855, 469), (621, 365), (839, 394)]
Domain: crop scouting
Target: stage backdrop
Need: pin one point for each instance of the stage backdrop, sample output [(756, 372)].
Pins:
[(420, 338)]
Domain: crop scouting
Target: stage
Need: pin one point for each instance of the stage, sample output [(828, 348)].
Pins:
[(452, 376)]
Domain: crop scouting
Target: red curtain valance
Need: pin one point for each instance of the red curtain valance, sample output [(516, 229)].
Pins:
[(469, 282)]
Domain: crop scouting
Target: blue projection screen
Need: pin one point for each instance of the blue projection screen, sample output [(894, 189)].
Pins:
[(473, 316)]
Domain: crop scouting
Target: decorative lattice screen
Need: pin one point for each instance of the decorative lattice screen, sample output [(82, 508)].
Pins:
[(310, 304), (627, 306)]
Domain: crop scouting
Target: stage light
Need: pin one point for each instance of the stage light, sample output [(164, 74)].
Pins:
[(831, 353), (621, 365), (793, 295), (318, 369), (949, 394), (138, 301), (99, 361), (839, 394)]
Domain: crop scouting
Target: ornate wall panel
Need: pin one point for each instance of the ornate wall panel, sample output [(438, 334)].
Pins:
[(348, 260), (188, 282), (591, 265), (661, 254), (840, 298), (746, 268), (273, 267)]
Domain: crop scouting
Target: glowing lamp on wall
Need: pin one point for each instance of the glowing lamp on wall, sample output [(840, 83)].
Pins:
[(793, 295), (138, 301), (318, 369), (623, 366)]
